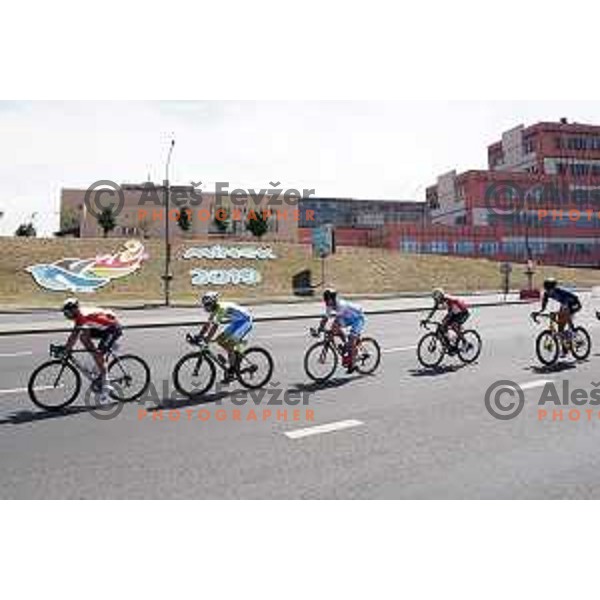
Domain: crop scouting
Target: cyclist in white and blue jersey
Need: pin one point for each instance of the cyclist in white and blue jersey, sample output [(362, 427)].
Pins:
[(348, 320)]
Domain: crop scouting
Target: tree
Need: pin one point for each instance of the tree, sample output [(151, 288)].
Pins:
[(184, 219), (257, 224), (107, 221), (144, 226), (26, 230), (69, 223), (222, 220)]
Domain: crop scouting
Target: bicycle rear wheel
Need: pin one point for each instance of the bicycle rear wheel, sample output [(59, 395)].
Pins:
[(368, 356), (194, 374), (254, 368), (581, 344), (54, 385), (469, 346), (130, 375)]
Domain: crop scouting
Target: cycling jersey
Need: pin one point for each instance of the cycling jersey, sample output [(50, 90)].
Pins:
[(347, 315), (238, 319), (344, 311), (229, 312), (455, 306), (562, 296), (96, 318)]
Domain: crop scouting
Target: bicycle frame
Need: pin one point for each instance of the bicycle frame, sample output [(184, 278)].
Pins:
[(440, 333), (71, 359)]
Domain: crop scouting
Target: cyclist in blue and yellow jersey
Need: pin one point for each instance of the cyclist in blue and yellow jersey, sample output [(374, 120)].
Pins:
[(238, 321), (345, 315)]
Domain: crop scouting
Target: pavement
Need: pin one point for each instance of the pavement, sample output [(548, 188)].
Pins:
[(401, 433)]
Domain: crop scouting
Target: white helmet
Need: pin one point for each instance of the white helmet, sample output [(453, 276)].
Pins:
[(210, 300), (438, 294)]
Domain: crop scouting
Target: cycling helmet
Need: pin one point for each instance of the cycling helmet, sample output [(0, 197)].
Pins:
[(550, 284), (330, 296), (210, 300), (70, 306), (438, 294)]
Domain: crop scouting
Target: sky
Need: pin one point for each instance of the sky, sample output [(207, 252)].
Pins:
[(375, 149)]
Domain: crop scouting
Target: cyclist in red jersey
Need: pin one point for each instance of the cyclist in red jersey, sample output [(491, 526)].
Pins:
[(457, 312), (93, 324)]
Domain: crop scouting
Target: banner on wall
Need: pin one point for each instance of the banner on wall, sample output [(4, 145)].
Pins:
[(246, 276), (232, 276), (88, 275), (222, 252)]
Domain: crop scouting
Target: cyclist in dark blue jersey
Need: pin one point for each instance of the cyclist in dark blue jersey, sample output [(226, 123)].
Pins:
[(569, 304)]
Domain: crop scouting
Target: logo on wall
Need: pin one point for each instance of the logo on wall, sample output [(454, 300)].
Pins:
[(223, 252), (88, 275), (242, 276)]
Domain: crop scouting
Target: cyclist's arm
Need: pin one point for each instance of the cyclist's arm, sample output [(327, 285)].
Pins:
[(432, 312), (72, 340), (545, 300)]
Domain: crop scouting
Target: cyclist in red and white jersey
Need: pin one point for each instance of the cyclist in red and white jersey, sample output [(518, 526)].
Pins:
[(457, 311), (93, 324)]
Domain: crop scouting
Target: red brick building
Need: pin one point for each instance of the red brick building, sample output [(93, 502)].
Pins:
[(539, 199)]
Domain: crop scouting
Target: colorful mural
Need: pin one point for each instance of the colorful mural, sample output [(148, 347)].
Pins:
[(88, 275)]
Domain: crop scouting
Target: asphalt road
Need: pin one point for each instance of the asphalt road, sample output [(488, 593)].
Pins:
[(403, 433)]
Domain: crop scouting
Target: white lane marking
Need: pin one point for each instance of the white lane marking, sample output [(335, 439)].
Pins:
[(328, 428), (402, 349), (15, 354), (23, 390), (531, 385)]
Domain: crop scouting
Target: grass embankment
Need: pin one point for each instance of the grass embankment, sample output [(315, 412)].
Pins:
[(352, 271)]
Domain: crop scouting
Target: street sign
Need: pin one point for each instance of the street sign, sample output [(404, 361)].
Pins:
[(323, 241)]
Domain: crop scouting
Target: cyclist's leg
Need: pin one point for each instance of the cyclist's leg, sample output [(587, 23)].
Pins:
[(356, 329), (231, 336), (87, 339)]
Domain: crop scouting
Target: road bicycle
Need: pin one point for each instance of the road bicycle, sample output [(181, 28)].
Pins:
[(575, 340), (195, 373), (322, 358), (56, 383), (434, 346)]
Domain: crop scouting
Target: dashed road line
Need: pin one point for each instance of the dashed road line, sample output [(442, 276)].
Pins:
[(400, 349), (531, 385), (15, 354), (24, 390), (319, 429)]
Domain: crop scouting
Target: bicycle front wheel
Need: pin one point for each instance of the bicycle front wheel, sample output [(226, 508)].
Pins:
[(547, 348), (254, 368), (194, 375), (320, 362), (368, 356), (54, 385), (130, 375), (431, 351)]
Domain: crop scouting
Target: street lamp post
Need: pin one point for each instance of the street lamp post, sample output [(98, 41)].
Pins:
[(168, 276)]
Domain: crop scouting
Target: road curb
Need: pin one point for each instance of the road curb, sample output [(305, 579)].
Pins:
[(195, 322)]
